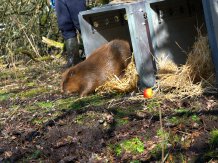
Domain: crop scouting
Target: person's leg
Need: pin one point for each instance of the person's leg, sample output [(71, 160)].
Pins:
[(65, 23), (76, 6), (68, 30)]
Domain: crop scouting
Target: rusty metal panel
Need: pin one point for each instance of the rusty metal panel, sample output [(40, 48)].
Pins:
[(121, 21)]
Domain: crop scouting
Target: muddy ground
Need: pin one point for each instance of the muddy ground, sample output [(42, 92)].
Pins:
[(39, 124)]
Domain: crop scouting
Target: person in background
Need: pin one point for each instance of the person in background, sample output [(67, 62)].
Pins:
[(67, 17)]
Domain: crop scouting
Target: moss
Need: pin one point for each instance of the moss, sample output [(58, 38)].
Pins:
[(185, 119), (64, 103), (5, 96), (88, 118), (31, 84), (45, 104), (135, 161), (133, 146), (174, 139), (32, 92), (9, 74), (164, 137), (121, 121), (31, 108), (152, 106), (182, 110), (195, 118), (77, 103), (178, 157), (211, 154), (156, 151), (174, 120), (36, 154), (80, 103), (214, 138), (38, 121), (94, 100), (125, 112)]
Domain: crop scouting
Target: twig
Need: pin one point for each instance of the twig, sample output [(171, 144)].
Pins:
[(165, 157), (163, 137)]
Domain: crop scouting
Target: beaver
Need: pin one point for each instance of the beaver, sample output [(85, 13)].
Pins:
[(109, 59)]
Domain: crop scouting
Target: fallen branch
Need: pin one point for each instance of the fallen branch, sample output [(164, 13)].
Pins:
[(39, 59), (52, 43)]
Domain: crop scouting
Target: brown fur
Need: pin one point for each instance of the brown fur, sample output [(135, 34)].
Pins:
[(85, 77)]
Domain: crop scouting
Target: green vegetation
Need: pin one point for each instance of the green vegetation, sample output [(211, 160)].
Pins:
[(164, 137), (135, 161), (174, 120), (95, 100), (124, 112), (64, 103), (88, 118), (8, 74), (195, 118), (5, 96), (133, 146), (182, 110), (31, 84), (32, 92), (185, 119), (36, 154), (214, 138), (45, 105), (152, 106), (120, 121)]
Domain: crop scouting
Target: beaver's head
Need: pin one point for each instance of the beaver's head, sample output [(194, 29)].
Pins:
[(70, 81)]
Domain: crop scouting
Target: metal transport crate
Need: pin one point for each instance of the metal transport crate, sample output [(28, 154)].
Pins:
[(160, 28)]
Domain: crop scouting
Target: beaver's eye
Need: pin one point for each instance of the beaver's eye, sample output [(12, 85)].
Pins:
[(71, 74)]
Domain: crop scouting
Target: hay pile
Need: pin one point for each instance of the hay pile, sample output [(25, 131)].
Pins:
[(126, 84), (191, 79)]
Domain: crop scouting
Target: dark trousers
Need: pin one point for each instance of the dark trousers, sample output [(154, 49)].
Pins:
[(67, 15)]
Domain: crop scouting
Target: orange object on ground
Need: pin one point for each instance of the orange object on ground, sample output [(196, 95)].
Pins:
[(148, 93)]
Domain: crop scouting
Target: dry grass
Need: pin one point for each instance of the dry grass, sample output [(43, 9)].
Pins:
[(127, 83), (191, 79)]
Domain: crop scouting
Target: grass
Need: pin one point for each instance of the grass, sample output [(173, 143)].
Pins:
[(182, 110), (94, 100), (152, 106), (133, 146), (214, 138), (45, 105), (5, 96), (184, 119), (32, 92), (121, 121), (195, 118), (88, 118)]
